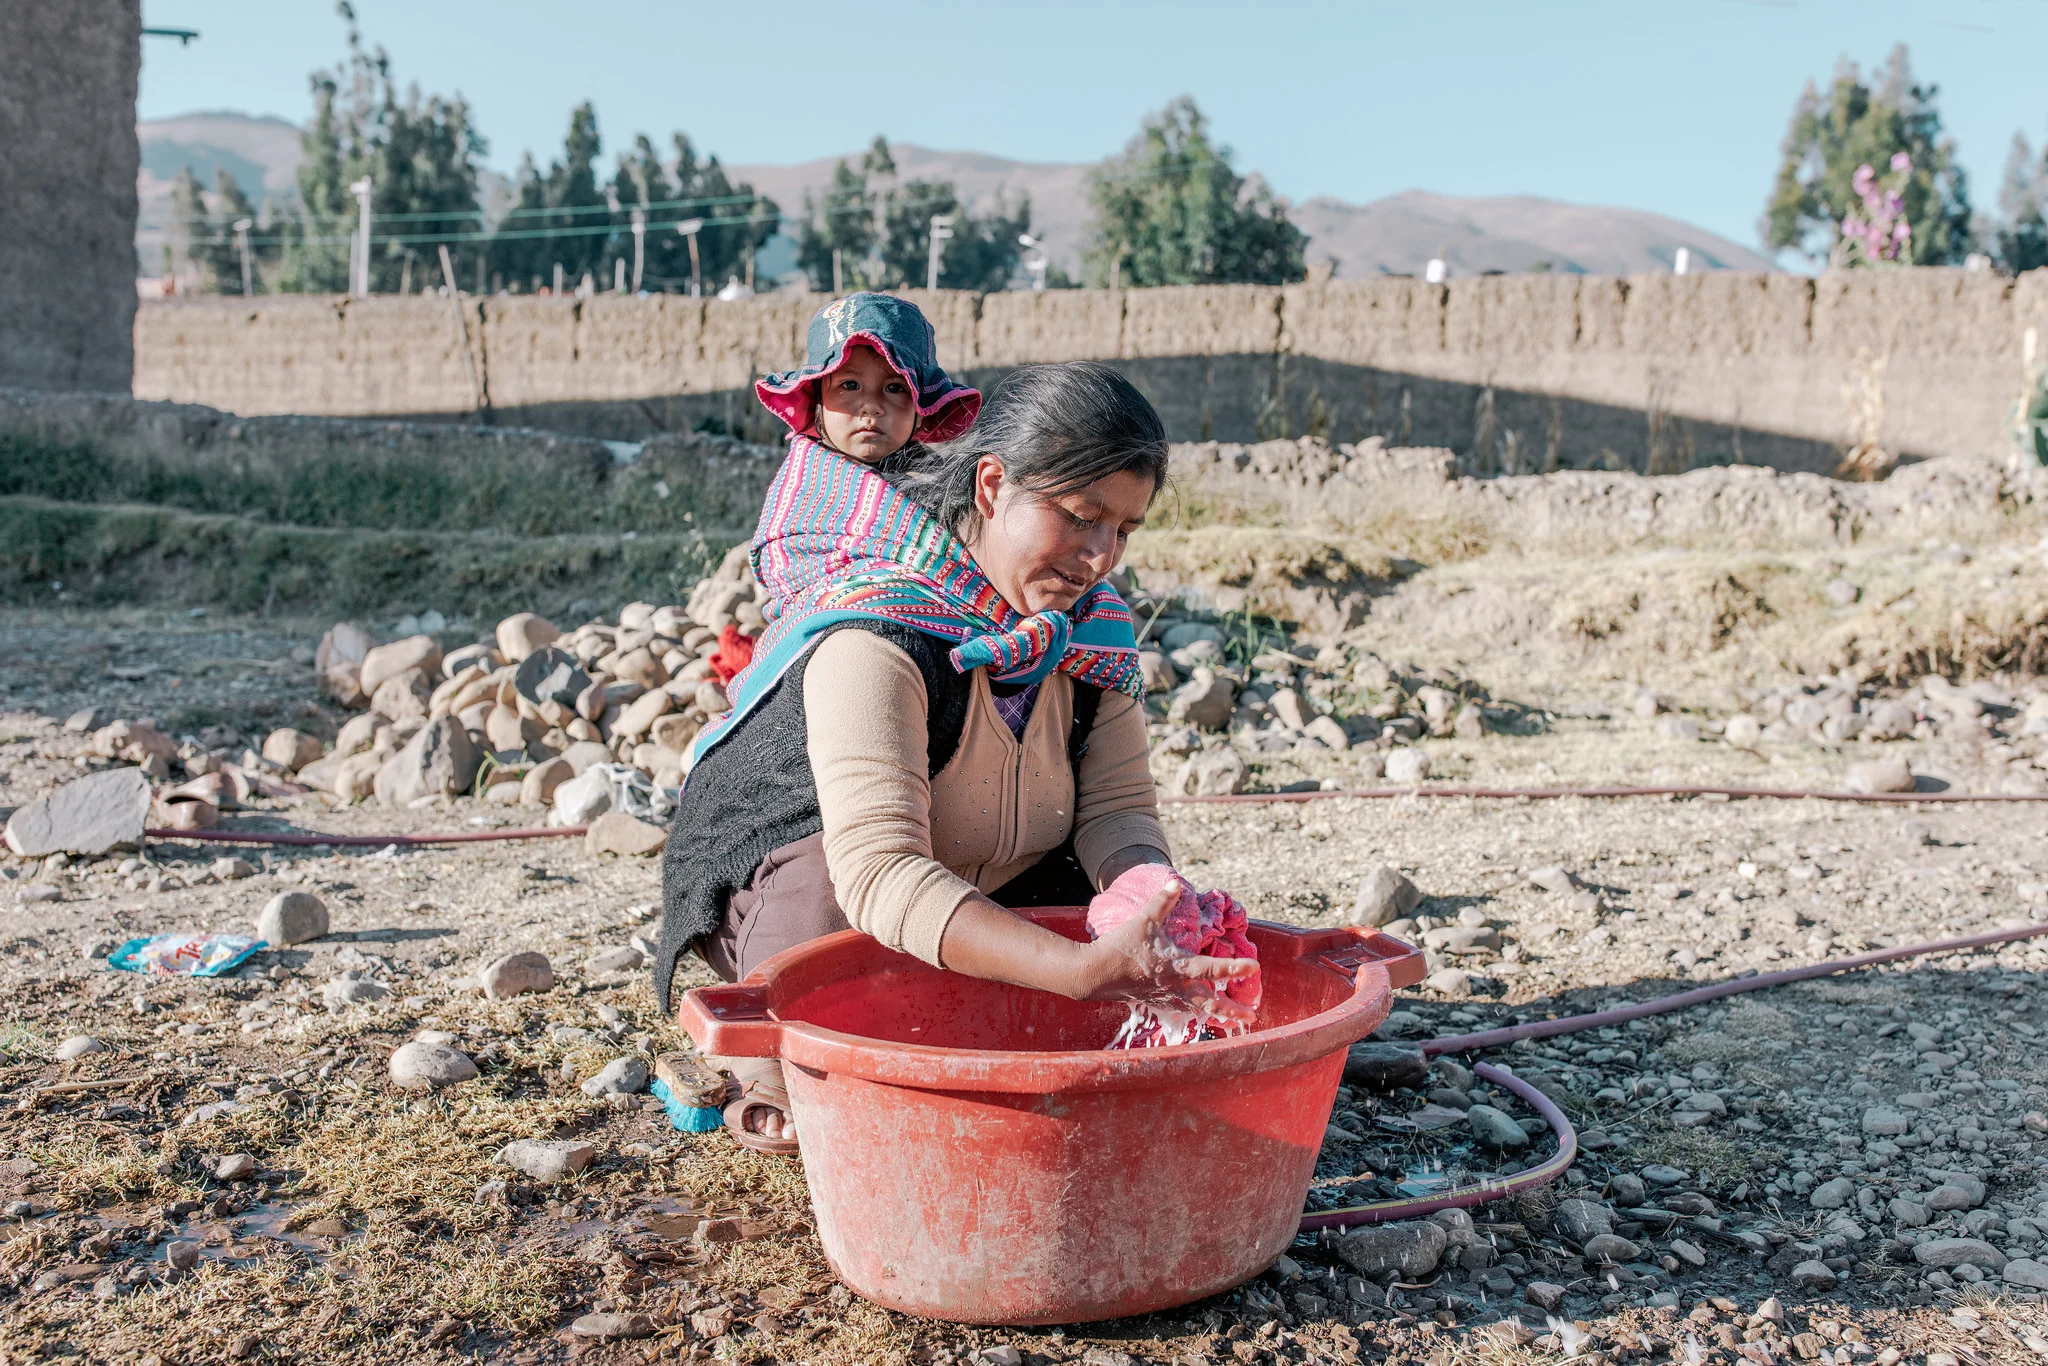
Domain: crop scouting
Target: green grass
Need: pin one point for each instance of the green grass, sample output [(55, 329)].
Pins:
[(123, 554)]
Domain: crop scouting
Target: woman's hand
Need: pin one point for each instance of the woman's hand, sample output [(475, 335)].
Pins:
[(1138, 961)]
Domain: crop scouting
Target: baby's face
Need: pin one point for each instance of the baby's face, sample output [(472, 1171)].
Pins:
[(865, 410)]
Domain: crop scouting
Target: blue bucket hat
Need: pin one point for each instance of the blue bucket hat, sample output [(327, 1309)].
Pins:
[(902, 336)]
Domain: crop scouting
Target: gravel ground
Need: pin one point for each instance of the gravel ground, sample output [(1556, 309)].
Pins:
[(1788, 1174)]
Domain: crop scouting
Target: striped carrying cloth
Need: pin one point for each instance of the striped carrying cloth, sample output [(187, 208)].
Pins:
[(837, 542)]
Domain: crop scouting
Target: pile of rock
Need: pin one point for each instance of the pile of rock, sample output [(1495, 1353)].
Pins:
[(1215, 700), (578, 720)]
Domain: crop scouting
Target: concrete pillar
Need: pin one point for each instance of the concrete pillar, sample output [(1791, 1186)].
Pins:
[(68, 159)]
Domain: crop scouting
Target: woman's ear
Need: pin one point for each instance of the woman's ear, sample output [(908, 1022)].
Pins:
[(988, 483)]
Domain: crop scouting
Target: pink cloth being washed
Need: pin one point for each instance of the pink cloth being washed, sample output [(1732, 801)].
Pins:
[(1207, 923)]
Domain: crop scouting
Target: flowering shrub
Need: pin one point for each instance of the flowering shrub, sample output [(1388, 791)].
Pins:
[(1879, 232)]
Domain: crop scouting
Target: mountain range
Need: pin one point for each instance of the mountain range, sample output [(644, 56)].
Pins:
[(1396, 235)]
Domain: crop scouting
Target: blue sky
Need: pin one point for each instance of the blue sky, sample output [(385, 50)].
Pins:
[(1673, 107)]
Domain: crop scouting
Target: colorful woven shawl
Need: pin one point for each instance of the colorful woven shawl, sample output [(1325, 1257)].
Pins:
[(837, 542)]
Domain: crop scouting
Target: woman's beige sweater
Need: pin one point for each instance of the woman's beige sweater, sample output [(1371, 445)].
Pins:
[(904, 849)]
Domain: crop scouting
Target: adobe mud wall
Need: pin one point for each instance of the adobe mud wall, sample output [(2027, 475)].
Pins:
[(1519, 374), (68, 158)]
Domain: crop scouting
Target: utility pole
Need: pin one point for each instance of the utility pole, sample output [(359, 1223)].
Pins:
[(838, 286), (942, 230), (689, 229), (639, 247), (242, 226), (476, 388), (618, 275), (361, 285)]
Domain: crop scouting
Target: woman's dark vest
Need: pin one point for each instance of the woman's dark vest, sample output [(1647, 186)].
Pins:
[(755, 792)]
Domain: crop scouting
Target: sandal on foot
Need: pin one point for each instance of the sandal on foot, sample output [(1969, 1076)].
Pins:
[(758, 1093)]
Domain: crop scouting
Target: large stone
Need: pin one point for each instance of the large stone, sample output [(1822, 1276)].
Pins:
[(1946, 1254), (133, 742), (1833, 1194), (1889, 774), (516, 974), (1495, 1128), (1882, 1122), (546, 1161), (1329, 732), (357, 734), (615, 832), (441, 760), (1386, 1066), (674, 732), (389, 661), (1213, 773), (1610, 1248), (95, 814), (613, 1326), (2026, 1272), (640, 666), (551, 674), (538, 787), (78, 1046), (1157, 670), (324, 774), (1407, 766), (421, 1066), (520, 634), (1889, 721), (1579, 1219), (346, 990), (401, 697), (641, 713), (338, 663), (619, 1077), (584, 753), (1957, 1191), (291, 918), (1813, 1275), (624, 958), (1205, 700), (584, 798), (1384, 896), (1743, 731), (290, 749), (1410, 1250)]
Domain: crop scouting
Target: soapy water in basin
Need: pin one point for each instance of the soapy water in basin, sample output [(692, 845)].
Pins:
[(1157, 1026)]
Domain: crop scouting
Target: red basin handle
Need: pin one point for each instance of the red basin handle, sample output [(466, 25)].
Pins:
[(731, 1022), (1347, 950)]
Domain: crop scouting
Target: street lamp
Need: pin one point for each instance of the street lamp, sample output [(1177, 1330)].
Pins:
[(1036, 265), (242, 226), (689, 228), (942, 230)]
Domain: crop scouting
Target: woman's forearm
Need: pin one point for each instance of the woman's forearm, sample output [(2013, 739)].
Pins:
[(984, 940)]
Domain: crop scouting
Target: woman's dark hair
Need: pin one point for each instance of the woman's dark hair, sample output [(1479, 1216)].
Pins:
[(1056, 428)]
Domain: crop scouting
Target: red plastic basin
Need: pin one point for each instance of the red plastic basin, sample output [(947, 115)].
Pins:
[(974, 1154)]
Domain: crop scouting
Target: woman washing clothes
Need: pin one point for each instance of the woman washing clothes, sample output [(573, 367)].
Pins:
[(943, 720)]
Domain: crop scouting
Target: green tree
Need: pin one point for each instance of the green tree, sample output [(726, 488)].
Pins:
[(1858, 123), (223, 252), (420, 153), (1172, 211), (982, 254), (561, 217), (737, 221), (843, 221), (2019, 237)]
